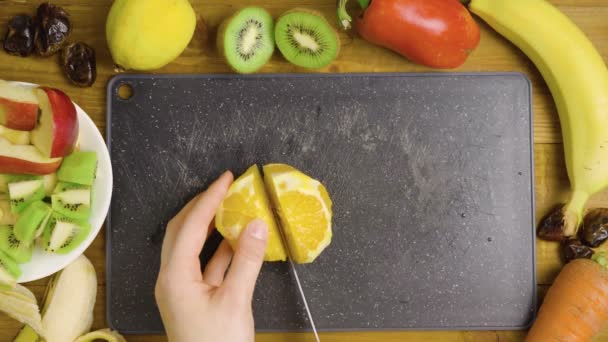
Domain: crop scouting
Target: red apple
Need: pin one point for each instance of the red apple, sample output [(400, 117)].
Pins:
[(14, 136), (25, 159), (18, 106), (57, 130)]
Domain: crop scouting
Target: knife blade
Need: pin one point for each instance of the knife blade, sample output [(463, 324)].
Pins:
[(292, 267)]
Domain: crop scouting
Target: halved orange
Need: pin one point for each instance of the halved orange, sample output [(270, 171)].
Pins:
[(301, 204)]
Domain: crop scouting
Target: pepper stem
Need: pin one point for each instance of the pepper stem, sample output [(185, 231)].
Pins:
[(364, 4), (344, 18)]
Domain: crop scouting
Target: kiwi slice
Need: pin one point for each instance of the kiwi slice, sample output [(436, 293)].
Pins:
[(63, 234), (9, 271), (32, 221), (24, 192), (72, 200), (246, 39), (13, 247), (306, 39), (79, 168)]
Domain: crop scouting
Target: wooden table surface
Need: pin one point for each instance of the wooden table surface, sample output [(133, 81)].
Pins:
[(493, 54)]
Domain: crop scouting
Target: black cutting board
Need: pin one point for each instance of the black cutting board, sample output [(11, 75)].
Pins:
[(431, 177)]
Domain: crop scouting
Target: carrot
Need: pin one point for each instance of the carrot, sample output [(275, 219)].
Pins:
[(576, 306)]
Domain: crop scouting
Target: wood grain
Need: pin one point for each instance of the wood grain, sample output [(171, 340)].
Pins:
[(493, 54)]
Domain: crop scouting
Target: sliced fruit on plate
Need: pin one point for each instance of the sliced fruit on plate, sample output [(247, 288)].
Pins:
[(14, 136), (9, 271), (23, 193), (79, 168), (304, 209), (18, 106), (6, 215), (72, 200), (245, 201), (50, 182), (63, 234), (25, 159), (56, 134), (19, 251), (32, 221), (3, 183)]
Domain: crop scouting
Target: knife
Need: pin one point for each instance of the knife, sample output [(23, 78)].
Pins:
[(292, 266)]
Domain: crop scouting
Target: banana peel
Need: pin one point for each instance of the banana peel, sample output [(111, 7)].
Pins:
[(20, 304), (69, 303), (69, 300), (27, 334), (102, 335), (67, 314)]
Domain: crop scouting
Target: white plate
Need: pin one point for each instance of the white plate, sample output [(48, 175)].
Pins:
[(44, 264)]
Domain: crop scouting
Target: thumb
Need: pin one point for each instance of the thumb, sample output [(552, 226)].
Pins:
[(247, 261)]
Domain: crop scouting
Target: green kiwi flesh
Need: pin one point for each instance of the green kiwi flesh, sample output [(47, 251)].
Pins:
[(18, 251), (72, 200), (31, 221), (9, 271), (246, 39), (306, 39), (79, 168), (63, 234), (24, 192)]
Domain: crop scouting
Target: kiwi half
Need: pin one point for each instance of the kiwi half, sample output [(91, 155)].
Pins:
[(306, 39), (246, 39), (13, 247)]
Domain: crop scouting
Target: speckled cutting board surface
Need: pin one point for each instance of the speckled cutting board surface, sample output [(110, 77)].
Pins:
[(431, 176)]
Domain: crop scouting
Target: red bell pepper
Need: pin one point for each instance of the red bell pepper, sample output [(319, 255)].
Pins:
[(435, 33)]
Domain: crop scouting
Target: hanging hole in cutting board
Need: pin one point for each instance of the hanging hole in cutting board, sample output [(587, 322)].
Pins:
[(125, 91)]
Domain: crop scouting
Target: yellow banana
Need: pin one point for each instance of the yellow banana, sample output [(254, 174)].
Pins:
[(578, 79)]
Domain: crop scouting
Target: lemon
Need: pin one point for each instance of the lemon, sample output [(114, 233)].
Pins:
[(148, 34), (304, 209), (301, 203), (245, 201)]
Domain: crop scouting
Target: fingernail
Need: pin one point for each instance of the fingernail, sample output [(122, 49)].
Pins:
[(258, 229)]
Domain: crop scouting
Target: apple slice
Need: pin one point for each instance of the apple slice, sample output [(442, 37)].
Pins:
[(57, 130), (18, 106), (25, 159), (14, 136), (3, 184)]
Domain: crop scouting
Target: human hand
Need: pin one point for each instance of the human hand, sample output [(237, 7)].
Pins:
[(205, 306)]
